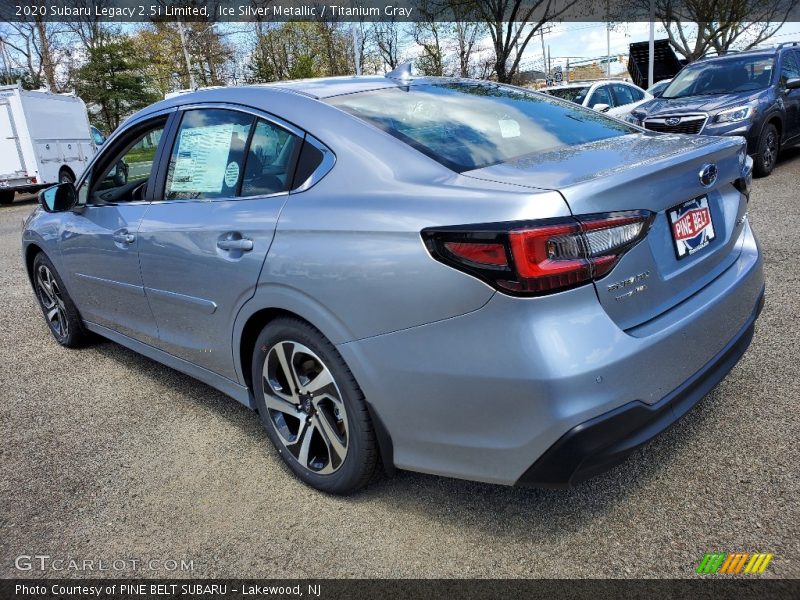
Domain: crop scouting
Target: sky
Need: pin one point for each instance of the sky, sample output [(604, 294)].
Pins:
[(588, 40)]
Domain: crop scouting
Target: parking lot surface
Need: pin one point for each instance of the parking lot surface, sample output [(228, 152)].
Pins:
[(108, 455)]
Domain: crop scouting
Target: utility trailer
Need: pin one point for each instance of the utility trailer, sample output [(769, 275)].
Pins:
[(665, 63), (45, 138)]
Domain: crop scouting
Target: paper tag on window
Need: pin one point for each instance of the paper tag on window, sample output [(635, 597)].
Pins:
[(509, 128)]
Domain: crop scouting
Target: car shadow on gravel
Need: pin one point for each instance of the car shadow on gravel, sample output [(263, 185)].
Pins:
[(492, 508)]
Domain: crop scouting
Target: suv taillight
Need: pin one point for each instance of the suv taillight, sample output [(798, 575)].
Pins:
[(539, 257)]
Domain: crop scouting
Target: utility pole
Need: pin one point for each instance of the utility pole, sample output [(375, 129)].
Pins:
[(187, 58), (651, 48)]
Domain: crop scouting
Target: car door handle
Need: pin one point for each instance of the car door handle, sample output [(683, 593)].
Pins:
[(244, 245), (123, 237)]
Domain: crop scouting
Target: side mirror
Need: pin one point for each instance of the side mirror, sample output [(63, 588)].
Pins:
[(59, 198), (793, 83), (600, 107)]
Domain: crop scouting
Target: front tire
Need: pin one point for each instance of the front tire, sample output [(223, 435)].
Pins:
[(6, 197), (59, 311), (768, 147), (312, 408)]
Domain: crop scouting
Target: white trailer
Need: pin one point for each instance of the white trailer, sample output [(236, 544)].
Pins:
[(44, 139)]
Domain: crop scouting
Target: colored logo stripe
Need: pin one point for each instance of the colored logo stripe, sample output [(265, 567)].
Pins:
[(732, 564)]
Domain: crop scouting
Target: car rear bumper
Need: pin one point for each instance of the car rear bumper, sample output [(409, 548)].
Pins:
[(485, 395), (604, 441)]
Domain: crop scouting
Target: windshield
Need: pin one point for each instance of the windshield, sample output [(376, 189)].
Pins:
[(731, 75), (573, 94), (467, 126)]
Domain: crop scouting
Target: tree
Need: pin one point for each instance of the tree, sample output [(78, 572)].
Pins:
[(386, 36), (696, 27), (300, 49), (112, 80), (512, 24)]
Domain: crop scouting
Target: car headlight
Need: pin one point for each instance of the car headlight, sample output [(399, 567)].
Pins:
[(631, 118), (734, 115)]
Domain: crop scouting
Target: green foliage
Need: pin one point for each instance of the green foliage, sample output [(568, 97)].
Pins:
[(111, 81), (297, 50)]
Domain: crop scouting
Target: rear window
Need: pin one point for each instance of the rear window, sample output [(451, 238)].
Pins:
[(467, 126)]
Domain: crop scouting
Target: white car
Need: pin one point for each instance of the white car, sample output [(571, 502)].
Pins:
[(615, 98)]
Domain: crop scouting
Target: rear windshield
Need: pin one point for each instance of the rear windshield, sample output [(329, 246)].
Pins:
[(467, 126), (726, 76), (573, 94)]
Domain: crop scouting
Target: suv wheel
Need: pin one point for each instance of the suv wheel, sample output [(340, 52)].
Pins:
[(312, 408), (59, 311), (768, 146), (6, 196)]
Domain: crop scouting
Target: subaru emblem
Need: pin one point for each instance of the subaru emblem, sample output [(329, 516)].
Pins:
[(672, 121), (708, 175)]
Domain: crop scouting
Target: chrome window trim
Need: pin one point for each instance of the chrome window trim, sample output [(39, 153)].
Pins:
[(328, 160)]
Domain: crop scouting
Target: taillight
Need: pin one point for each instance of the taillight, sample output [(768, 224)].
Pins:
[(539, 257)]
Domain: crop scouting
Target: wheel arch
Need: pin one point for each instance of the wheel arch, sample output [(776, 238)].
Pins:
[(31, 250), (67, 169), (257, 314)]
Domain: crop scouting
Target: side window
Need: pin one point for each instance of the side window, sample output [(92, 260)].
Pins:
[(270, 161), (208, 154), (622, 94), (789, 68), (635, 93), (124, 176), (601, 96)]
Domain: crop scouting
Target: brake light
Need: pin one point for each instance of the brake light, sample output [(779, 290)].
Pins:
[(540, 257)]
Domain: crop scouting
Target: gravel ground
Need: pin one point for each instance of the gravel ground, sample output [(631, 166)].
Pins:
[(108, 455)]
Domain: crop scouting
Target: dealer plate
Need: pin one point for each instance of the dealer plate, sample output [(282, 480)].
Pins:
[(692, 226)]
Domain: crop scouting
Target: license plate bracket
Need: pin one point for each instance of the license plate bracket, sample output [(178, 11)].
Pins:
[(692, 226)]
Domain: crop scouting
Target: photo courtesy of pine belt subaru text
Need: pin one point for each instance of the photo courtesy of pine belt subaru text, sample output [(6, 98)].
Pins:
[(448, 276)]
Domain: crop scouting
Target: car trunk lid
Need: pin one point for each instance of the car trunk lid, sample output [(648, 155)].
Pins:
[(654, 172)]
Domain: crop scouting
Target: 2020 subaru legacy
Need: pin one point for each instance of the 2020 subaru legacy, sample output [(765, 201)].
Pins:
[(449, 276)]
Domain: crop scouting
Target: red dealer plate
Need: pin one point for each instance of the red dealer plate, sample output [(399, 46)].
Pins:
[(691, 225)]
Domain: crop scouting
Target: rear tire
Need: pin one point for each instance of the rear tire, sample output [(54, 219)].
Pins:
[(768, 147), (58, 309), (312, 408), (6, 197)]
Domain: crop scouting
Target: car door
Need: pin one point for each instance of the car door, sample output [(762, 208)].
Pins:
[(204, 240), (790, 69), (99, 241), (626, 97)]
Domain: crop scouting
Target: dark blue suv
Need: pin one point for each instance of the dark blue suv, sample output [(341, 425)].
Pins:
[(755, 94)]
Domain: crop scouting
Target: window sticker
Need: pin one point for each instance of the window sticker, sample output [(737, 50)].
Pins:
[(509, 128), (201, 159), (231, 174)]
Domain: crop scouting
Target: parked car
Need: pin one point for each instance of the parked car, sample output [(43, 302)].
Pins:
[(658, 88), (460, 278), (44, 138), (754, 94), (615, 98)]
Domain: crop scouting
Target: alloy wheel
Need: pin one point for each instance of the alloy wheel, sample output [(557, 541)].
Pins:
[(52, 301), (305, 407)]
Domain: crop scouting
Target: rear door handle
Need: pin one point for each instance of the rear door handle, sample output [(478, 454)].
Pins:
[(244, 245), (123, 237)]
